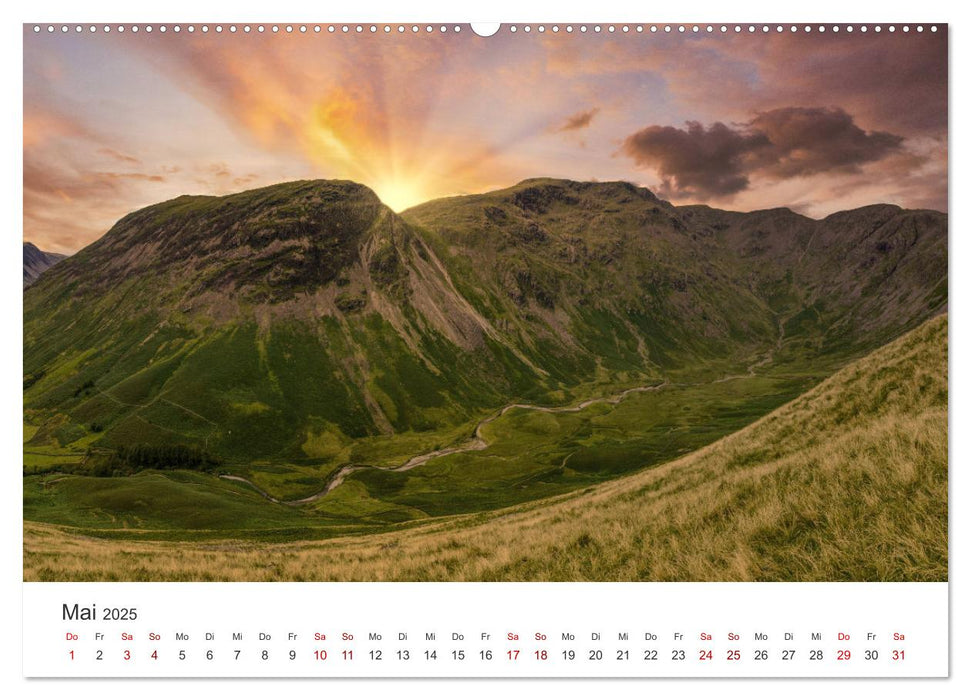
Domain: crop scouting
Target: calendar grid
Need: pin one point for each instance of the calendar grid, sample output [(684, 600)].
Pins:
[(512, 630)]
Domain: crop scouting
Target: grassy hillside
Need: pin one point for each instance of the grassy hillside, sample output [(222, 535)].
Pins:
[(847, 482)]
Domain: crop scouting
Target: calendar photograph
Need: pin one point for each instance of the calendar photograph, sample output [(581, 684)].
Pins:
[(565, 303)]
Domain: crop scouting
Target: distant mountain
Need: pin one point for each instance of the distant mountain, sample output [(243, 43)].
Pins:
[(36, 261), (286, 322)]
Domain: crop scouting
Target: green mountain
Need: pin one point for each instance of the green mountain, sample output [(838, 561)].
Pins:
[(294, 324)]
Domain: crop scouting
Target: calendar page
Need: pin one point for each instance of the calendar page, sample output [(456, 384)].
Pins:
[(518, 350)]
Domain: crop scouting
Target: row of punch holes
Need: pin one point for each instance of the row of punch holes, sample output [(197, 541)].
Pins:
[(514, 28)]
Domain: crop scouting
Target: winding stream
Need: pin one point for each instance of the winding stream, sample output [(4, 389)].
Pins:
[(477, 442)]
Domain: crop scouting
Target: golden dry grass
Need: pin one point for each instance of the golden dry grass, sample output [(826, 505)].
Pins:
[(847, 482)]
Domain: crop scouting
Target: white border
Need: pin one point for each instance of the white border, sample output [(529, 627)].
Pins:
[(603, 11)]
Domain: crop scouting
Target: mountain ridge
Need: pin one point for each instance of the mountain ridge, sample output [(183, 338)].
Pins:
[(290, 321)]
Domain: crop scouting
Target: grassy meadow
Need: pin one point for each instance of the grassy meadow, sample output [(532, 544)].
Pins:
[(529, 455), (845, 482)]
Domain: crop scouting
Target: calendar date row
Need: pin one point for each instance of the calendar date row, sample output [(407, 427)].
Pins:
[(510, 655)]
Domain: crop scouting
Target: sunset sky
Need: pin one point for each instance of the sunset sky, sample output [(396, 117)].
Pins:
[(816, 122)]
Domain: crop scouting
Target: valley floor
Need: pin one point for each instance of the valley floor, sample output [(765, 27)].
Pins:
[(848, 482)]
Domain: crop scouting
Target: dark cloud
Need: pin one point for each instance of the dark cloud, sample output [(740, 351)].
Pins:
[(695, 160), (580, 120), (809, 141), (779, 144)]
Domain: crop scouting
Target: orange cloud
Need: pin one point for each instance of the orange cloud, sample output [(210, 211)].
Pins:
[(119, 156), (43, 125)]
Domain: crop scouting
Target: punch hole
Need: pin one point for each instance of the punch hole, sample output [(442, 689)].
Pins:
[(486, 29)]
